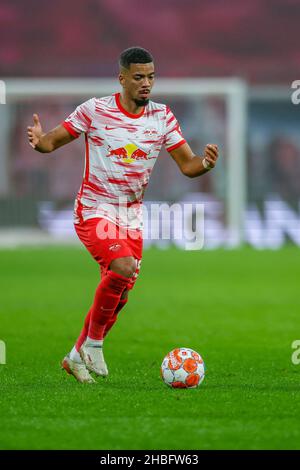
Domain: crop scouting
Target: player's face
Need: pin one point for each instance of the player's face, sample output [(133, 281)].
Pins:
[(137, 82)]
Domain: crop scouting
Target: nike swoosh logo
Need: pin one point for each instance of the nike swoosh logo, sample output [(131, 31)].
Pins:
[(109, 128)]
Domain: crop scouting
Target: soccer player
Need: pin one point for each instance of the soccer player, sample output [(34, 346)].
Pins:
[(123, 133)]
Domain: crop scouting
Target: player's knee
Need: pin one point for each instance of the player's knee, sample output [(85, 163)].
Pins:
[(124, 266)]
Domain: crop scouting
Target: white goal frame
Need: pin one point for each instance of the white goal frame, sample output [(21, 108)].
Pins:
[(233, 90)]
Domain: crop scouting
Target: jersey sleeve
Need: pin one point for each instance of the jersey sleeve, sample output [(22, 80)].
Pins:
[(81, 119), (173, 135)]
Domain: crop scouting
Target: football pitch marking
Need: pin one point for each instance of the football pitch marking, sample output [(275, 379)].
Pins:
[(296, 354), (2, 92), (2, 353)]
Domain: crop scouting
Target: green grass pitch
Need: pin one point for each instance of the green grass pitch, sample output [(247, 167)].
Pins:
[(238, 309)]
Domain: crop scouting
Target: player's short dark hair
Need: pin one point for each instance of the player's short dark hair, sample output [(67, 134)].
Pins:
[(134, 55)]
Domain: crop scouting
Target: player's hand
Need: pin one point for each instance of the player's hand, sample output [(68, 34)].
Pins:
[(34, 132), (211, 154)]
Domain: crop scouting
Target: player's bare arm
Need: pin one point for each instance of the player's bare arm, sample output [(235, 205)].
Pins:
[(47, 142), (191, 165)]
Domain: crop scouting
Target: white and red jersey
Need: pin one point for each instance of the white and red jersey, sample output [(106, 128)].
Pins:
[(121, 149)]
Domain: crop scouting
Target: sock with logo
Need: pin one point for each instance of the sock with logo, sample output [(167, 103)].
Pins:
[(107, 298), (113, 319), (85, 329)]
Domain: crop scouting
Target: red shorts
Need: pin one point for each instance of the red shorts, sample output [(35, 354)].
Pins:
[(106, 242)]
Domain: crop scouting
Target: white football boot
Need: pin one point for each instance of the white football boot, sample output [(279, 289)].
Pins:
[(79, 371), (93, 358)]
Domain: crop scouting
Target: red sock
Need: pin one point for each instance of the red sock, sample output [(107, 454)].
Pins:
[(84, 331), (107, 297), (110, 323), (113, 319)]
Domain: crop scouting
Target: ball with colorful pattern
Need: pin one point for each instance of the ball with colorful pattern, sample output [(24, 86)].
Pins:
[(183, 368)]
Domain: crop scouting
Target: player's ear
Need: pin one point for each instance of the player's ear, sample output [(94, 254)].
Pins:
[(121, 79), (122, 76)]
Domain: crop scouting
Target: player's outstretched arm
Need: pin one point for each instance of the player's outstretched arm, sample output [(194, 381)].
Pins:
[(191, 165), (50, 141)]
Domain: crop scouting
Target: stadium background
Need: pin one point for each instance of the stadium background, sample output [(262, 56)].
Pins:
[(255, 41)]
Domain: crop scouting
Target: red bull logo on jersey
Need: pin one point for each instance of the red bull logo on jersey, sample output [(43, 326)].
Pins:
[(129, 153)]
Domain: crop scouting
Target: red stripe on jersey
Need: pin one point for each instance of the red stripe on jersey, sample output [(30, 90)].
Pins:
[(156, 141), (134, 174), (171, 119), (123, 110), (152, 112), (79, 205), (87, 160), (87, 119), (115, 118), (128, 165), (176, 145), (117, 181), (70, 129), (99, 190), (96, 140)]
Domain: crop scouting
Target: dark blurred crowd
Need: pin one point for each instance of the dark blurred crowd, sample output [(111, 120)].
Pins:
[(257, 40)]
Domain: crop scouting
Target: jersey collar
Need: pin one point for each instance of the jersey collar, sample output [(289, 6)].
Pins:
[(123, 110)]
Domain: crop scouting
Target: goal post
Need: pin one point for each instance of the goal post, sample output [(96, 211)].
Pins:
[(232, 90)]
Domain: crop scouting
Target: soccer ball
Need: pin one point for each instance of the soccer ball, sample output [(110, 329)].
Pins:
[(183, 368)]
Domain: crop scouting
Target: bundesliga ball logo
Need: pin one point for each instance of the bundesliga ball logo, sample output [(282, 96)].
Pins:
[(183, 368)]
